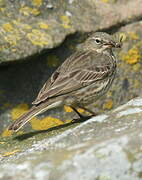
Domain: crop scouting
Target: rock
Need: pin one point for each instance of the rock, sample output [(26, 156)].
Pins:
[(28, 28), (104, 147)]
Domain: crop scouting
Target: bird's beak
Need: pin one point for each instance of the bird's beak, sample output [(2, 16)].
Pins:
[(113, 44)]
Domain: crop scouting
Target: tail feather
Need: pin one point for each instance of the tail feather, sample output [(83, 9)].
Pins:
[(20, 122), (35, 110)]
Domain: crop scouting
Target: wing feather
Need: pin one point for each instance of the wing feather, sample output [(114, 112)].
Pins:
[(72, 75)]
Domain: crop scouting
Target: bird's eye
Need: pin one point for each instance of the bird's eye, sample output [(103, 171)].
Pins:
[(98, 41)]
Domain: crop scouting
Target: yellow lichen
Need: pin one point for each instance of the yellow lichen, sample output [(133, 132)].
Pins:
[(2, 9), (68, 109), (19, 110), (8, 27), (10, 153), (26, 11), (52, 61), (108, 104), (132, 57), (43, 25), (26, 26), (1, 142), (35, 12), (65, 22), (12, 38), (133, 35), (38, 37), (80, 110), (6, 133), (45, 123), (37, 2)]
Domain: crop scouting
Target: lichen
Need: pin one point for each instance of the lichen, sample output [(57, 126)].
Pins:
[(65, 22), (8, 27), (43, 25), (37, 2), (108, 105), (133, 35), (68, 109), (19, 111), (38, 37), (27, 11), (10, 153), (132, 57), (6, 133), (45, 123)]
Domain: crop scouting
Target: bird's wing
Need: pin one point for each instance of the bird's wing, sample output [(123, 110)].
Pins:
[(72, 75)]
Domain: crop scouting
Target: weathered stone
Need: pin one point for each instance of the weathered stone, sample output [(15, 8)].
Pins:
[(29, 27), (105, 147)]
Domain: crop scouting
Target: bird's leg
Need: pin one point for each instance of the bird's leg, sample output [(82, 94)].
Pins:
[(82, 118), (80, 115)]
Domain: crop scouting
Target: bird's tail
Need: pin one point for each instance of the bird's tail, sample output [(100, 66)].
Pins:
[(35, 110)]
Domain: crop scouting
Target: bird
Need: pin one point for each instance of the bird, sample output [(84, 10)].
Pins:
[(80, 80)]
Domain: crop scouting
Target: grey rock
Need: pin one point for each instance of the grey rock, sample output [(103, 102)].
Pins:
[(104, 147), (28, 28)]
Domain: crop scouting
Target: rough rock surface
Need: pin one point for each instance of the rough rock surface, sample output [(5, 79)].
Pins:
[(107, 147), (29, 27)]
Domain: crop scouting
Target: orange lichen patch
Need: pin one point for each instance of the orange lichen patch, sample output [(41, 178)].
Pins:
[(45, 123), (132, 57), (65, 22), (68, 109), (43, 25), (10, 153), (133, 35), (19, 110), (52, 61), (38, 37), (7, 27), (108, 104), (37, 2), (6, 133)]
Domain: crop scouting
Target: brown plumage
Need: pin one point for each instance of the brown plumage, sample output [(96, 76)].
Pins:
[(80, 80)]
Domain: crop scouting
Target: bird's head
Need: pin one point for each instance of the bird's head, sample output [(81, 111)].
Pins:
[(101, 41)]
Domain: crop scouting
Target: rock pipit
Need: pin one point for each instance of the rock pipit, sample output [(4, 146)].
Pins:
[(80, 80)]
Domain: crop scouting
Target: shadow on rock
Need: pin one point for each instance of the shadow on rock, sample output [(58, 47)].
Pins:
[(31, 134)]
